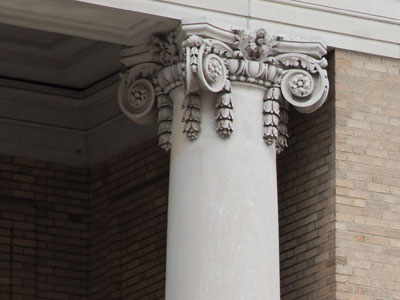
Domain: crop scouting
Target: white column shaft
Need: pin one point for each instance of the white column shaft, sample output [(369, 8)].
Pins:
[(223, 217)]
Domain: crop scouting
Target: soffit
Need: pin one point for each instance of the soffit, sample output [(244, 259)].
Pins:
[(68, 45), (80, 19), (55, 59)]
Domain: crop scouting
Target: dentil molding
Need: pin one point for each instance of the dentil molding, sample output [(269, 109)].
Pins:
[(204, 57)]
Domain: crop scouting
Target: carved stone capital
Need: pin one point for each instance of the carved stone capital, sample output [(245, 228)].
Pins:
[(203, 57), (137, 92)]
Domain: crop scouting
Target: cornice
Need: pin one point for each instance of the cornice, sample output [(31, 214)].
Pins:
[(344, 10), (342, 23), (207, 28)]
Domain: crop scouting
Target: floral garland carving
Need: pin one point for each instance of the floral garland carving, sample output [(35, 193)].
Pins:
[(283, 135), (168, 78), (191, 116), (164, 105), (271, 112), (224, 116)]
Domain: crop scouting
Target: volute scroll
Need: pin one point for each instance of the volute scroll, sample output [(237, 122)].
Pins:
[(291, 70)]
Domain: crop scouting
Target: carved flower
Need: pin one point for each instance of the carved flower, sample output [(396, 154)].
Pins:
[(301, 85), (139, 96), (164, 48), (214, 69), (256, 45)]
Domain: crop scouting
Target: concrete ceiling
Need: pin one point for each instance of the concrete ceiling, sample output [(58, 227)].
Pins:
[(59, 62), (69, 44), (97, 22), (55, 59)]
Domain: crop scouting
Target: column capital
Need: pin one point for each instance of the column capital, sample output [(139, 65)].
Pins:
[(203, 56)]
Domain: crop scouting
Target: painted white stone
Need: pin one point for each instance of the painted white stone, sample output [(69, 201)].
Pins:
[(222, 100), (367, 26), (223, 215)]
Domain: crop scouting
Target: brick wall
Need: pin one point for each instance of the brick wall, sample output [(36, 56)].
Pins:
[(43, 230), (306, 173), (339, 187), (77, 233), (128, 225), (367, 176)]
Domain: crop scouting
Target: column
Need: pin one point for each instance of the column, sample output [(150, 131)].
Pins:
[(221, 98)]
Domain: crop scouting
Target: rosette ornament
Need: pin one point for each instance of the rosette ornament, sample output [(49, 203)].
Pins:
[(304, 83), (136, 93)]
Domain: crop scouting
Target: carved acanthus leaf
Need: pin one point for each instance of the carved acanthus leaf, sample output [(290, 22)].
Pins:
[(170, 77), (301, 61), (219, 48), (191, 48), (256, 45), (164, 49)]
